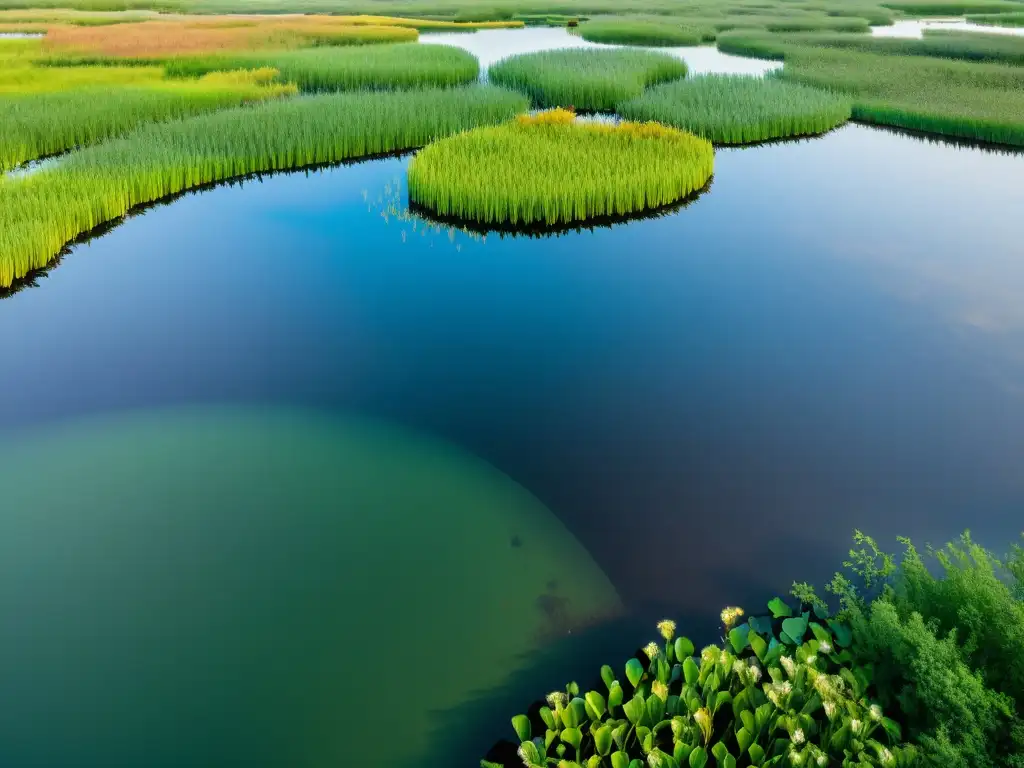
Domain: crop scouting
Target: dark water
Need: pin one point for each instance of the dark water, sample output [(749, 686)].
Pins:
[(709, 403)]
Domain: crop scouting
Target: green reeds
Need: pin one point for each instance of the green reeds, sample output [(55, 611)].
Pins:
[(41, 124), (407, 65), (998, 19), (548, 170), (964, 99), (43, 211), (952, 7), (729, 109), (639, 32), (587, 79)]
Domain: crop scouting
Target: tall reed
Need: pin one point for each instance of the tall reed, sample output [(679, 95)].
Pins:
[(638, 32), (41, 212), (46, 123), (732, 109), (412, 65), (587, 79), (550, 170)]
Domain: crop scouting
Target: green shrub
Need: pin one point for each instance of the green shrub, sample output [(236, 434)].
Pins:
[(548, 170), (737, 110), (592, 79), (780, 692), (638, 32), (40, 213), (405, 65)]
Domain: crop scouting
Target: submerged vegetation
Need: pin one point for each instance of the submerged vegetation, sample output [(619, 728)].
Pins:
[(40, 213), (594, 80), (922, 666), (46, 123), (739, 110), (549, 170), (639, 32)]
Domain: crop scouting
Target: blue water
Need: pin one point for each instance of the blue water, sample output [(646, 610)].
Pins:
[(830, 337)]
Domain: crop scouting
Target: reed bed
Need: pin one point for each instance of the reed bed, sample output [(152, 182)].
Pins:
[(638, 32), (42, 212), (951, 7), (946, 44), (412, 65), (154, 39), (45, 124), (965, 99), (588, 79), (27, 79), (549, 170), (728, 109), (998, 19)]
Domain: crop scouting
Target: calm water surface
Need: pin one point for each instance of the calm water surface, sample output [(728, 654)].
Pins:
[(278, 455), (915, 28)]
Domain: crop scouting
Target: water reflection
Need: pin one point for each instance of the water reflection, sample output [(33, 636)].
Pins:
[(492, 45), (915, 28)]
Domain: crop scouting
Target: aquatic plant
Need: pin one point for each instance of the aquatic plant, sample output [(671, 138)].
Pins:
[(780, 691), (978, 101), (593, 79), (998, 19), (946, 645), (412, 65), (42, 212), (550, 170), (638, 32), (737, 110), (46, 123)]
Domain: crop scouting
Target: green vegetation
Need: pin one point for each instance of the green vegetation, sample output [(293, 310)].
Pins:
[(977, 101), (740, 110), (593, 80), (923, 665), (780, 691), (638, 32), (549, 170), (1000, 19), (42, 212), (46, 123), (406, 65), (952, 7)]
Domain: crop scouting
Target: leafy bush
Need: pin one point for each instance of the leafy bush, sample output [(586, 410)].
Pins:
[(947, 649), (782, 691)]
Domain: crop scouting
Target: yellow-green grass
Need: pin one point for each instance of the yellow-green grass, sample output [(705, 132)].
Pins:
[(549, 170), (638, 32), (43, 211), (998, 19), (969, 100), (587, 79), (946, 44), (411, 65), (732, 109), (41, 124)]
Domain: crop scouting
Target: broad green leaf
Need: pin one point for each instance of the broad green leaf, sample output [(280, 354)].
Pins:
[(521, 724), (760, 624), (597, 703), (785, 637), (655, 709), (658, 759), (779, 608), (681, 752), (620, 759), (738, 637), (548, 717), (530, 754), (691, 672), (892, 728), (756, 753), (744, 738), (645, 737), (796, 628), (572, 737), (842, 632), (759, 645), (594, 761), (636, 764), (574, 713), (635, 709), (634, 672), (730, 762), (747, 718), (664, 670), (608, 676), (698, 758), (719, 751), (549, 737), (672, 705), (615, 695), (619, 735), (683, 648), (821, 634), (603, 740)]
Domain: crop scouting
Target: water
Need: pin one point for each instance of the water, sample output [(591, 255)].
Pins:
[(492, 45), (280, 455), (916, 28), (20, 35)]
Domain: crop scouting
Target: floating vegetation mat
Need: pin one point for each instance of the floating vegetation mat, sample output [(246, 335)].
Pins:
[(547, 169), (731, 109), (593, 80)]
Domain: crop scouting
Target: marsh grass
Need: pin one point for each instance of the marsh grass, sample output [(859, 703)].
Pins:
[(639, 32), (42, 124), (551, 170), (42, 212), (587, 79), (999, 19), (412, 65), (952, 7), (729, 109), (970, 100)]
